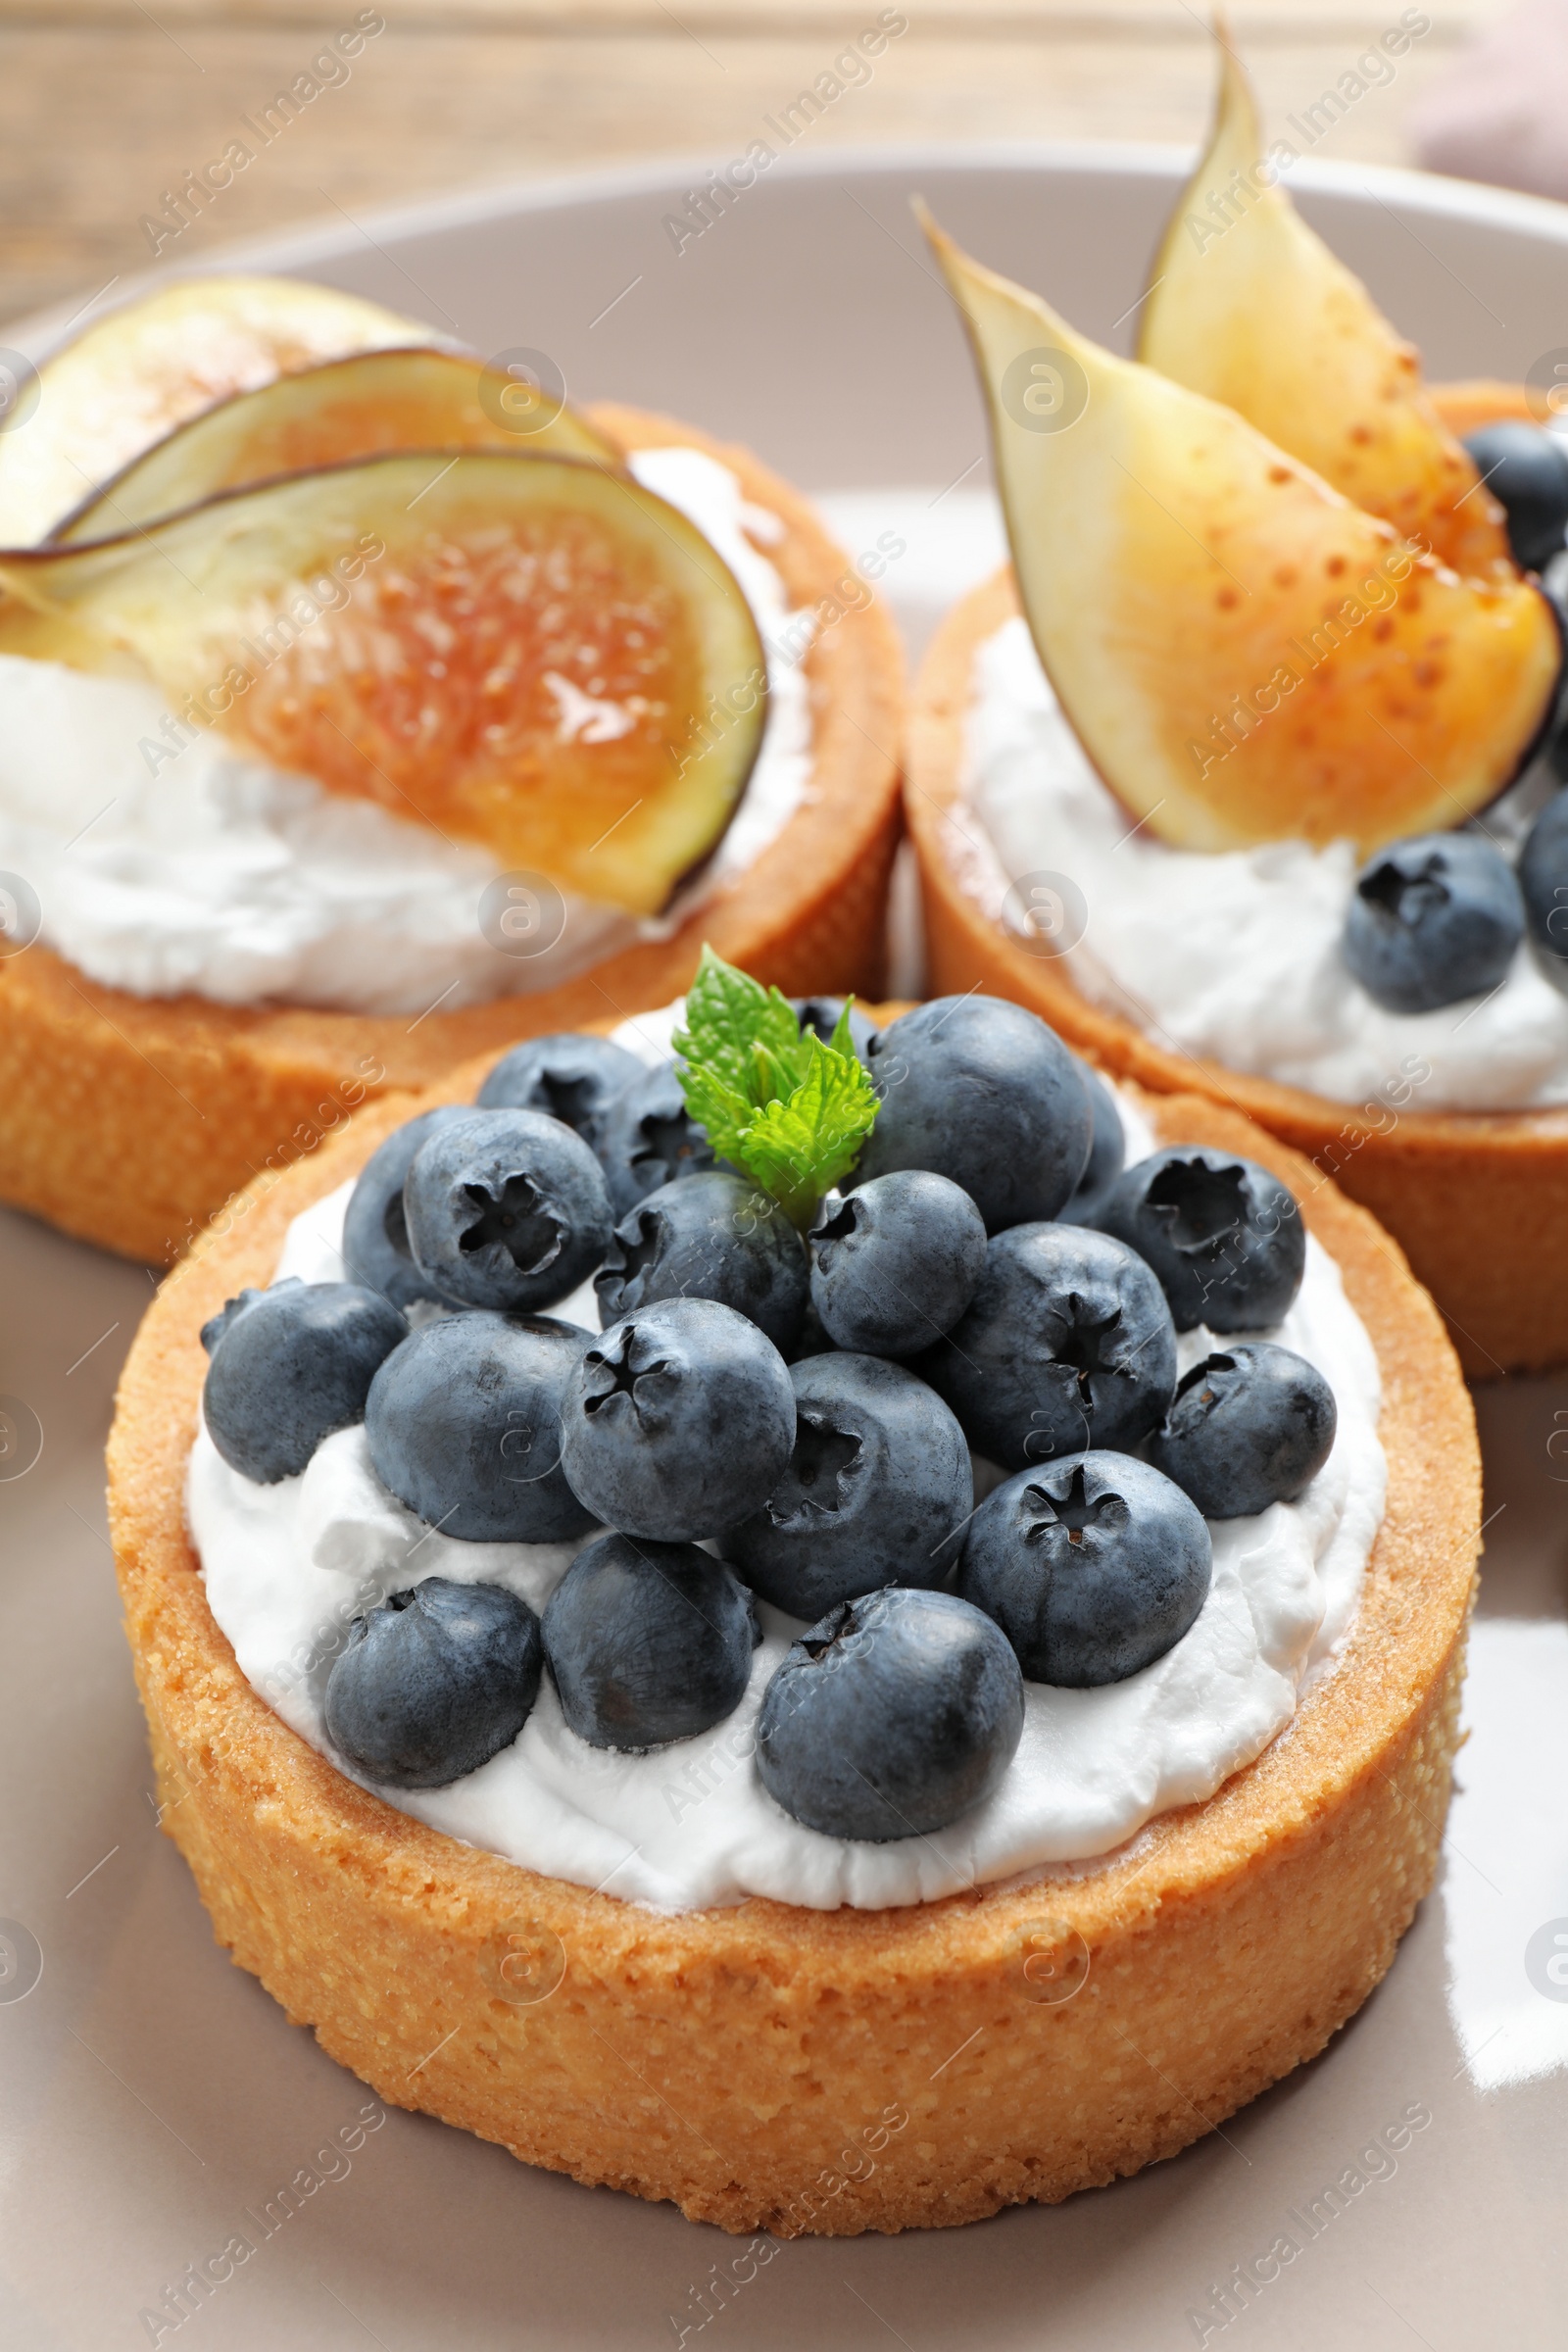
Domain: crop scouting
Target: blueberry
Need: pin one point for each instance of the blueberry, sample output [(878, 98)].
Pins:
[(464, 1425), (434, 1682), (894, 1716), (1093, 1567), (506, 1209), (894, 1263), (821, 1015), (288, 1366), (1108, 1153), (981, 1091), (1248, 1427), (1543, 879), (570, 1078), (1431, 920), (676, 1419), (231, 1309), (375, 1229), (648, 1642), (712, 1235), (649, 1138), (1526, 469), (877, 1487), (1223, 1235), (1068, 1340)]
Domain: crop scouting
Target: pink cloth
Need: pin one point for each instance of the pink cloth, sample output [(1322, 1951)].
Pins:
[(1501, 113)]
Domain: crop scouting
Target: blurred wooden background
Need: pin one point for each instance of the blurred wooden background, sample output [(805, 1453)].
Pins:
[(105, 104)]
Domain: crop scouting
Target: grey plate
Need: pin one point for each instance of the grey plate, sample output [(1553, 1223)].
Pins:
[(156, 2099)]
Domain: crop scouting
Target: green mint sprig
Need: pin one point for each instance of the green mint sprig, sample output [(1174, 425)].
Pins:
[(776, 1103)]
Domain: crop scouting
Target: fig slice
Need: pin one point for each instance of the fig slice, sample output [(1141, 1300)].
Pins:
[(349, 408), (532, 652), (1249, 306), (1246, 656), (132, 376)]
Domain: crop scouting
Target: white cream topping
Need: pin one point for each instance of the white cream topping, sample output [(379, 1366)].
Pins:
[(288, 1566), (162, 869), (1234, 958)]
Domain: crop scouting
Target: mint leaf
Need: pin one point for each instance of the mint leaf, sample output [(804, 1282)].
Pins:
[(798, 1149), (728, 1015), (841, 1040), (789, 1110), (718, 1107)]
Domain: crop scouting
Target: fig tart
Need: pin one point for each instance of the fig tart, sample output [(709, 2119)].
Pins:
[(155, 1056), (1246, 775)]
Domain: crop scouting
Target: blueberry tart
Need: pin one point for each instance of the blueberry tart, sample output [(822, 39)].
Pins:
[(541, 1683)]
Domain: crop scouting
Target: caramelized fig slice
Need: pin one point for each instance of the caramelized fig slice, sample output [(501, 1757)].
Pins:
[(135, 373), (1249, 306), (533, 651), (1244, 655), (351, 408)]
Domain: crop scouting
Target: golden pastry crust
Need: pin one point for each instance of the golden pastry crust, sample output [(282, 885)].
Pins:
[(753, 2063), (1478, 1200), (129, 1120)]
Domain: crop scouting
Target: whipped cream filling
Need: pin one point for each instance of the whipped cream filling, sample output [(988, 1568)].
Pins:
[(1234, 956), (287, 1567), (162, 869)]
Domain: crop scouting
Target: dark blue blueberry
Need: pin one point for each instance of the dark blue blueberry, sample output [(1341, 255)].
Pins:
[(1431, 920), (876, 1489), (821, 1015), (1093, 1567), (981, 1091), (464, 1425), (711, 1236), (1108, 1153), (1247, 1427), (375, 1229), (894, 1263), (434, 1682), (506, 1209), (1223, 1235), (215, 1326), (1543, 879), (1526, 469), (898, 1713), (571, 1078), (648, 1139), (288, 1366), (676, 1420), (1068, 1343), (648, 1642)]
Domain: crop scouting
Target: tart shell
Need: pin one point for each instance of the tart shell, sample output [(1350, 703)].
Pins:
[(1478, 1200), (129, 1120), (766, 2066), (1483, 400)]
